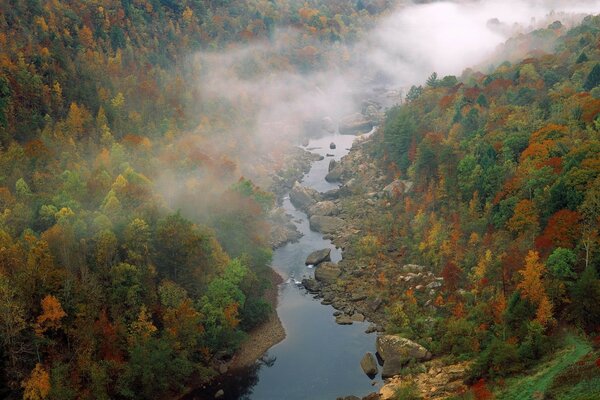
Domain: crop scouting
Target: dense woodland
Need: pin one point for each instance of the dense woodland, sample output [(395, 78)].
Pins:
[(105, 290), (108, 292), (506, 206)]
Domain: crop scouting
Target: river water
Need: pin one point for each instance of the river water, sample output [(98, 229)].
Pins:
[(318, 359)]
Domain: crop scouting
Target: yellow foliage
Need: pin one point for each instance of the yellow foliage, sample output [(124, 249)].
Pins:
[(532, 287), (143, 327), (188, 14), (37, 386)]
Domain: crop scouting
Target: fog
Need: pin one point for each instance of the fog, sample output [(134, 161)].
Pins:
[(258, 97), (448, 37)]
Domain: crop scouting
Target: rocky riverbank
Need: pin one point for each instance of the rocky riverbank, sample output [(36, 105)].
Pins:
[(265, 336), (373, 270)]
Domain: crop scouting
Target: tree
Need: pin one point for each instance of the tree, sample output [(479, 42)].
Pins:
[(52, 314), (590, 211), (560, 264), (37, 385), (4, 101), (532, 288), (531, 285), (585, 296), (593, 78), (525, 218)]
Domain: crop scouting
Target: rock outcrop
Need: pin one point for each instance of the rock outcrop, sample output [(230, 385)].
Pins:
[(325, 208), (439, 382), (397, 188), (325, 224), (396, 352), (327, 272), (355, 124)]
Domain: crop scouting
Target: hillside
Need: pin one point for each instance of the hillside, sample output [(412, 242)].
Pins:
[(489, 184), (106, 290)]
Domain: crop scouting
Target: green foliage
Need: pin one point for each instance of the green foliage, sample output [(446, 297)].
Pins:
[(153, 371), (407, 392), (540, 379), (561, 262), (499, 359), (593, 78), (586, 299)]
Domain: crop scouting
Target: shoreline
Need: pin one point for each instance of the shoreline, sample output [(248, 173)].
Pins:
[(264, 336)]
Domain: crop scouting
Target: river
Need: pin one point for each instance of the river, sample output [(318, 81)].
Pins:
[(318, 359)]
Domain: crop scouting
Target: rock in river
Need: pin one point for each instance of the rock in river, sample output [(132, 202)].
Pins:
[(327, 272), (332, 145), (317, 257), (396, 352), (369, 365), (327, 208), (324, 224), (334, 175), (332, 164), (303, 197)]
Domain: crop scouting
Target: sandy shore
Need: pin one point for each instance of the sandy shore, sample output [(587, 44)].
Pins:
[(265, 336)]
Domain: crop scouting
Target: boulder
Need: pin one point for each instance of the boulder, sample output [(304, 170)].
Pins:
[(397, 188), (325, 208), (303, 197), (311, 285), (325, 224), (343, 320), (334, 175), (332, 164), (355, 124), (332, 145), (327, 272), (358, 317), (220, 393), (317, 257), (332, 194), (369, 365), (396, 352)]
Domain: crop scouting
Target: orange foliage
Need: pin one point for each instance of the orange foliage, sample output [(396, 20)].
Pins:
[(52, 313), (524, 218), (231, 315)]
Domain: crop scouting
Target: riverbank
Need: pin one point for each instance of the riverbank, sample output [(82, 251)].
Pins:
[(265, 336)]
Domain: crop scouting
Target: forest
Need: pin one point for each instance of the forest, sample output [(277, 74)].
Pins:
[(505, 205), (106, 290), (134, 220)]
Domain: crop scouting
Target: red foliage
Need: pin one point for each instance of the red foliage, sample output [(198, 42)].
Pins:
[(497, 86), (472, 93), (446, 101), (562, 230), (480, 390), (109, 339), (452, 275)]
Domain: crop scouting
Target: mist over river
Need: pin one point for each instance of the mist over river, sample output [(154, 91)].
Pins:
[(318, 359)]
